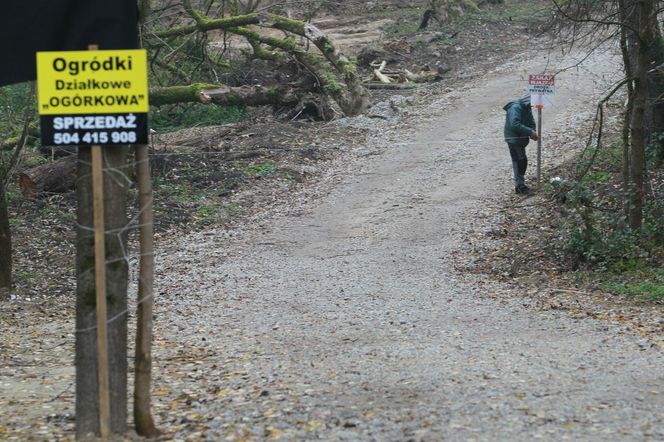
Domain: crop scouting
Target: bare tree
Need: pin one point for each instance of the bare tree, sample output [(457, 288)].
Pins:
[(634, 22), (645, 33)]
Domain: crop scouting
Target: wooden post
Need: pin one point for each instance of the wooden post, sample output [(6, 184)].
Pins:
[(100, 288), (539, 142)]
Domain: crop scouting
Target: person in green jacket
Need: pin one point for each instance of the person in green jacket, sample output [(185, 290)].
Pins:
[(519, 130)]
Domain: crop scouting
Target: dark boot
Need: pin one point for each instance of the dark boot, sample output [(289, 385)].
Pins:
[(523, 189)]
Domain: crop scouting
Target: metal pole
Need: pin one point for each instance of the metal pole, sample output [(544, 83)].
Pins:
[(539, 143)]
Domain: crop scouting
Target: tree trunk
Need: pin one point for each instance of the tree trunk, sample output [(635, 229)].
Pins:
[(144, 316), (56, 177), (144, 9), (355, 100), (645, 13), (637, 154), (624, 46), (115, 200), (5, 247), (656, 79), (223, 95), (426, 18), (644, 30)]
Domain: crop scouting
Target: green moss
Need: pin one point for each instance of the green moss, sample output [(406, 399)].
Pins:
[(274, 93), (235, 100), (331, 86), (325, 46), (287, 24), (349, 71)]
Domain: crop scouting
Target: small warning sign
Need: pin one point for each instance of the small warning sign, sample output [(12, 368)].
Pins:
[(93, 97), (541, 87)]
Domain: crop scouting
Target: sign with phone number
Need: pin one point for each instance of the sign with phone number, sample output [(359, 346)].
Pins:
[(87, 130), (93, 97)]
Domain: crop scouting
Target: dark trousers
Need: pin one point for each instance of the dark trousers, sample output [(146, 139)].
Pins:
[(519, 163)]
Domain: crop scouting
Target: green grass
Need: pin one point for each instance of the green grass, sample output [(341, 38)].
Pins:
[(259, 170), (645, 285), (608, 159), (596, 177), (170, 119), (206, 214), (13, 196), (178, 191), (231, 209), (406, 24)]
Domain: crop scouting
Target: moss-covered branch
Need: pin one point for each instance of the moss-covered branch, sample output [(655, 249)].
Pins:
[(206, 25), (277, 43)]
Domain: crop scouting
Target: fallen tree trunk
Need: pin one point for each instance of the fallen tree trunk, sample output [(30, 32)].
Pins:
[(223, 95), (390, 86), (57, 177)]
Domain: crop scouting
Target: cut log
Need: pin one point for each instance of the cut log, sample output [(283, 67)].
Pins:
[(57, 177), (423, 76), (379, 73)]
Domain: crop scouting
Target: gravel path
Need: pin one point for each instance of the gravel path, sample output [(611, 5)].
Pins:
[(341, 316), (345, 320)]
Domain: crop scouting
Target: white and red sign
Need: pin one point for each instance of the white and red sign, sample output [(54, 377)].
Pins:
[(540, 88)]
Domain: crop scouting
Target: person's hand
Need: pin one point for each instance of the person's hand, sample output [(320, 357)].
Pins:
[(533, 136)]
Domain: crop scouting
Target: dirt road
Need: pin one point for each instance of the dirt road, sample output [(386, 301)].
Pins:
[(345, 320)]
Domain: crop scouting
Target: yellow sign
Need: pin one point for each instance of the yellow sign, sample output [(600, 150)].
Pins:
[(92, 82)]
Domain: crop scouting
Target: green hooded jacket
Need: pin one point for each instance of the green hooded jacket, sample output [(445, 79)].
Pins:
[(519, 122)]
